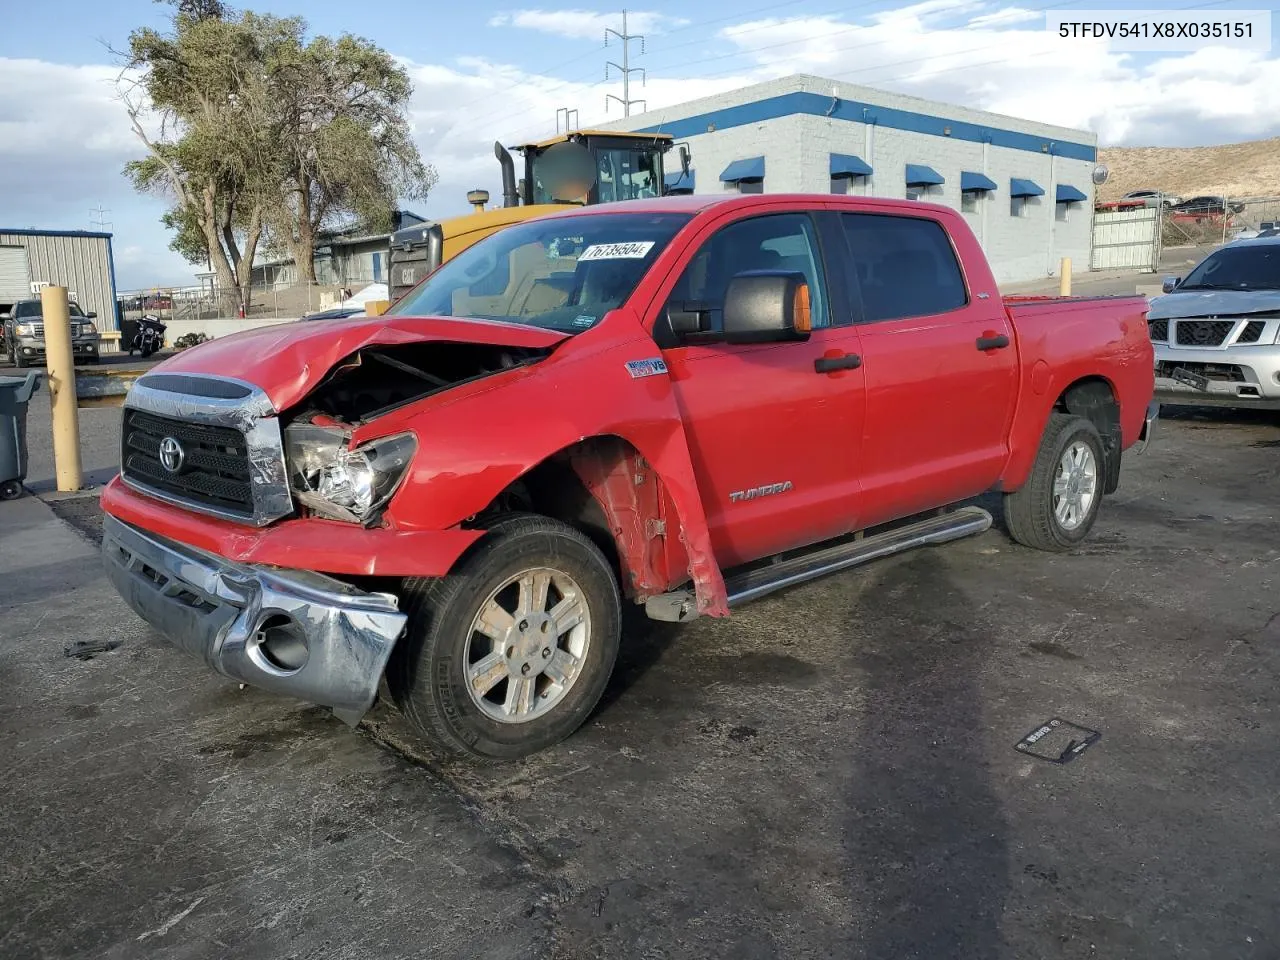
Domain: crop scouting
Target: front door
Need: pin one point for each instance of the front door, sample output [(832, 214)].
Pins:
[(940, 368), (772, 432)]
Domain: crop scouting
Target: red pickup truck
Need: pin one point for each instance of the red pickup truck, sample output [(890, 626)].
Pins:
[(685, 402)]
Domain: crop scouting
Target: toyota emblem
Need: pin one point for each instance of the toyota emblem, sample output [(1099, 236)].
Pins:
[(171, 454)]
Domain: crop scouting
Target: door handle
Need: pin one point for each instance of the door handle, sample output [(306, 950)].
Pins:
[(847, 361), (998, 342)]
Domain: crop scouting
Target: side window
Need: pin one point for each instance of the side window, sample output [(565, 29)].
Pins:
[(784, 241), (905, 266)]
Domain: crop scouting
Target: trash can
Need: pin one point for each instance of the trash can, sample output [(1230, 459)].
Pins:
[(128, 330), (15, 393)]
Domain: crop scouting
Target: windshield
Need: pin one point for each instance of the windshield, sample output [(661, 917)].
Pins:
[(1237, 268), (563, 273), (621, 173), (32, 308)]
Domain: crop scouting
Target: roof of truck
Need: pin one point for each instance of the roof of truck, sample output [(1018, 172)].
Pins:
[(696, 203), (621, 134)]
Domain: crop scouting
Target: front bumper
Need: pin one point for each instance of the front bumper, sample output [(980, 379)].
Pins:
[(293, 632), (1241, 375), (34, 349)]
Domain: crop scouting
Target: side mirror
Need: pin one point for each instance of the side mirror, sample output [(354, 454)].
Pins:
[(684, 160), (766, 305), (91, 315), (1170, 284), (4, 316)]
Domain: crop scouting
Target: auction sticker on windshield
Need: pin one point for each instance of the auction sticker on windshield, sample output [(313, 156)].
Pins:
[(617, 251)]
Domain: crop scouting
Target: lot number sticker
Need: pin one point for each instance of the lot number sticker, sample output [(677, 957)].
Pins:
[(617, 251)]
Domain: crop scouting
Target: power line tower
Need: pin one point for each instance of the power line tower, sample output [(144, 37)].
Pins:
[(98, 219), (625, 67)]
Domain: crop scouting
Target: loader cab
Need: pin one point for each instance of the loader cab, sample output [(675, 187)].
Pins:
[(580, 167), (590, 167)]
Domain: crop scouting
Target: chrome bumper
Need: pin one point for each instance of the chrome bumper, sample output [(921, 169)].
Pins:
[(288, 631), (1148, 427)]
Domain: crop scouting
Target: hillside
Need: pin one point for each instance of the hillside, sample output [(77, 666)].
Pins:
[(1250, 169)]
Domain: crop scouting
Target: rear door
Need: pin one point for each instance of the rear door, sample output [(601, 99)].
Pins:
[(940, 365), (773, 428)]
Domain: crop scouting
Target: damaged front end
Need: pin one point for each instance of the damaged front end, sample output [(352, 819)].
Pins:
[(334, 479)]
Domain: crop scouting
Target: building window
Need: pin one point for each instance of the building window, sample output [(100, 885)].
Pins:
[(969, 201), (1017, 206), (913, 194), (750, 186), (1064, 212)]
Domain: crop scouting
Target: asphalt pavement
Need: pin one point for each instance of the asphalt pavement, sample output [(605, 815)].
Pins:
[(832, 772)]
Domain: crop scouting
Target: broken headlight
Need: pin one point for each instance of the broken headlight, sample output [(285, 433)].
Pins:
[(339, 482)]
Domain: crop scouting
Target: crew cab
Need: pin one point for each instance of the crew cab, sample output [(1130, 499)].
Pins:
[(684, 402)]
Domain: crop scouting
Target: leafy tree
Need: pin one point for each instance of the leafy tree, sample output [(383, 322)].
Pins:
[(215, 156), (265, 137), (346, 143)]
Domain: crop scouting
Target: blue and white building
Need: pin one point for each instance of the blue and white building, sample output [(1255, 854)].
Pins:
[(1026, 188)]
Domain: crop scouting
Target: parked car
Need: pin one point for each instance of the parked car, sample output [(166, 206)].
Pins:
[(1217, 332), (1153, 197), (685, 402), (24, 333), (1206, 206)]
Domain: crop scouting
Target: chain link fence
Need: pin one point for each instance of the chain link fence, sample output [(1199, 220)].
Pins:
[(279, 300), (1210, 221)]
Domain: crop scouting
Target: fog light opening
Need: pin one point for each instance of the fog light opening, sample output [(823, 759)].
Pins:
[(279, 641)]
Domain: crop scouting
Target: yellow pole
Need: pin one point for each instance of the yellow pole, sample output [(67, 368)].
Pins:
[(1064, 277), (62, 386)]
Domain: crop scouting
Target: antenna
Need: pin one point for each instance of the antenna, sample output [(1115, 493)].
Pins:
[(98, 218), (625, 68)]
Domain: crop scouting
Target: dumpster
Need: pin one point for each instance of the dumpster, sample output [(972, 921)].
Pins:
[(15, 392)]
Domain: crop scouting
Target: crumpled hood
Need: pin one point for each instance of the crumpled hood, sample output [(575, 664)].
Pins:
[(288, 360), (1213, 303)]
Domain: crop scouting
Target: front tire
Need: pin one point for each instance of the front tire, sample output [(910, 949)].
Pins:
[(511, 653), (1058, 505)]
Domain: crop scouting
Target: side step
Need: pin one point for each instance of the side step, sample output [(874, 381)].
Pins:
[(752, 584)]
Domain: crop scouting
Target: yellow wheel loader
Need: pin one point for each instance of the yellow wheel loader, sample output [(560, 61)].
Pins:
[(581, 167)]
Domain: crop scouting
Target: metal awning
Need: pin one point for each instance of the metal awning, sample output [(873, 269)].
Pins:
[(1069, 194), (847, 165), (679, 180), (918, 175), (975, 181), (1024, 188), (750, 169)]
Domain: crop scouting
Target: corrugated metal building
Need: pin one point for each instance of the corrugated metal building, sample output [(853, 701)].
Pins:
[(76, 259)]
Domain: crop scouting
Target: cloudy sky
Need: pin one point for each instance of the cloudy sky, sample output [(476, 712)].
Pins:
[(487, 70)]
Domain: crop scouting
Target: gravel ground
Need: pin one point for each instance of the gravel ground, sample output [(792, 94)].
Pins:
[(831, 772)]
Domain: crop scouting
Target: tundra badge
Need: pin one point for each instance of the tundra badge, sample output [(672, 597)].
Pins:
[(768, 490)]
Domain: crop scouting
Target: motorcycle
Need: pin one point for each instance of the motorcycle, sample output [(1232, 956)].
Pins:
[(149, 336)]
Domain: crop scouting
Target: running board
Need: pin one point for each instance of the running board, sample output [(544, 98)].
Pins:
[(679, 605)]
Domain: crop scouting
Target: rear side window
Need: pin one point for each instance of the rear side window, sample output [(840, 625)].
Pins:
[(905, 266)]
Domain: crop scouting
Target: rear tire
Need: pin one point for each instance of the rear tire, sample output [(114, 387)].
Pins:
[(550, 607), (1058, 505)]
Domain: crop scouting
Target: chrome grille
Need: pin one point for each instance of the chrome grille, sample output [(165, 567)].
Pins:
[(214, 470), (1203, 333), (232, 463), (1252, 332)]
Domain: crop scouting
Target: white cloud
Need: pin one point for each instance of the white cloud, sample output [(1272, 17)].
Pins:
[(64, 138), (585, 24), (1006, 17)]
